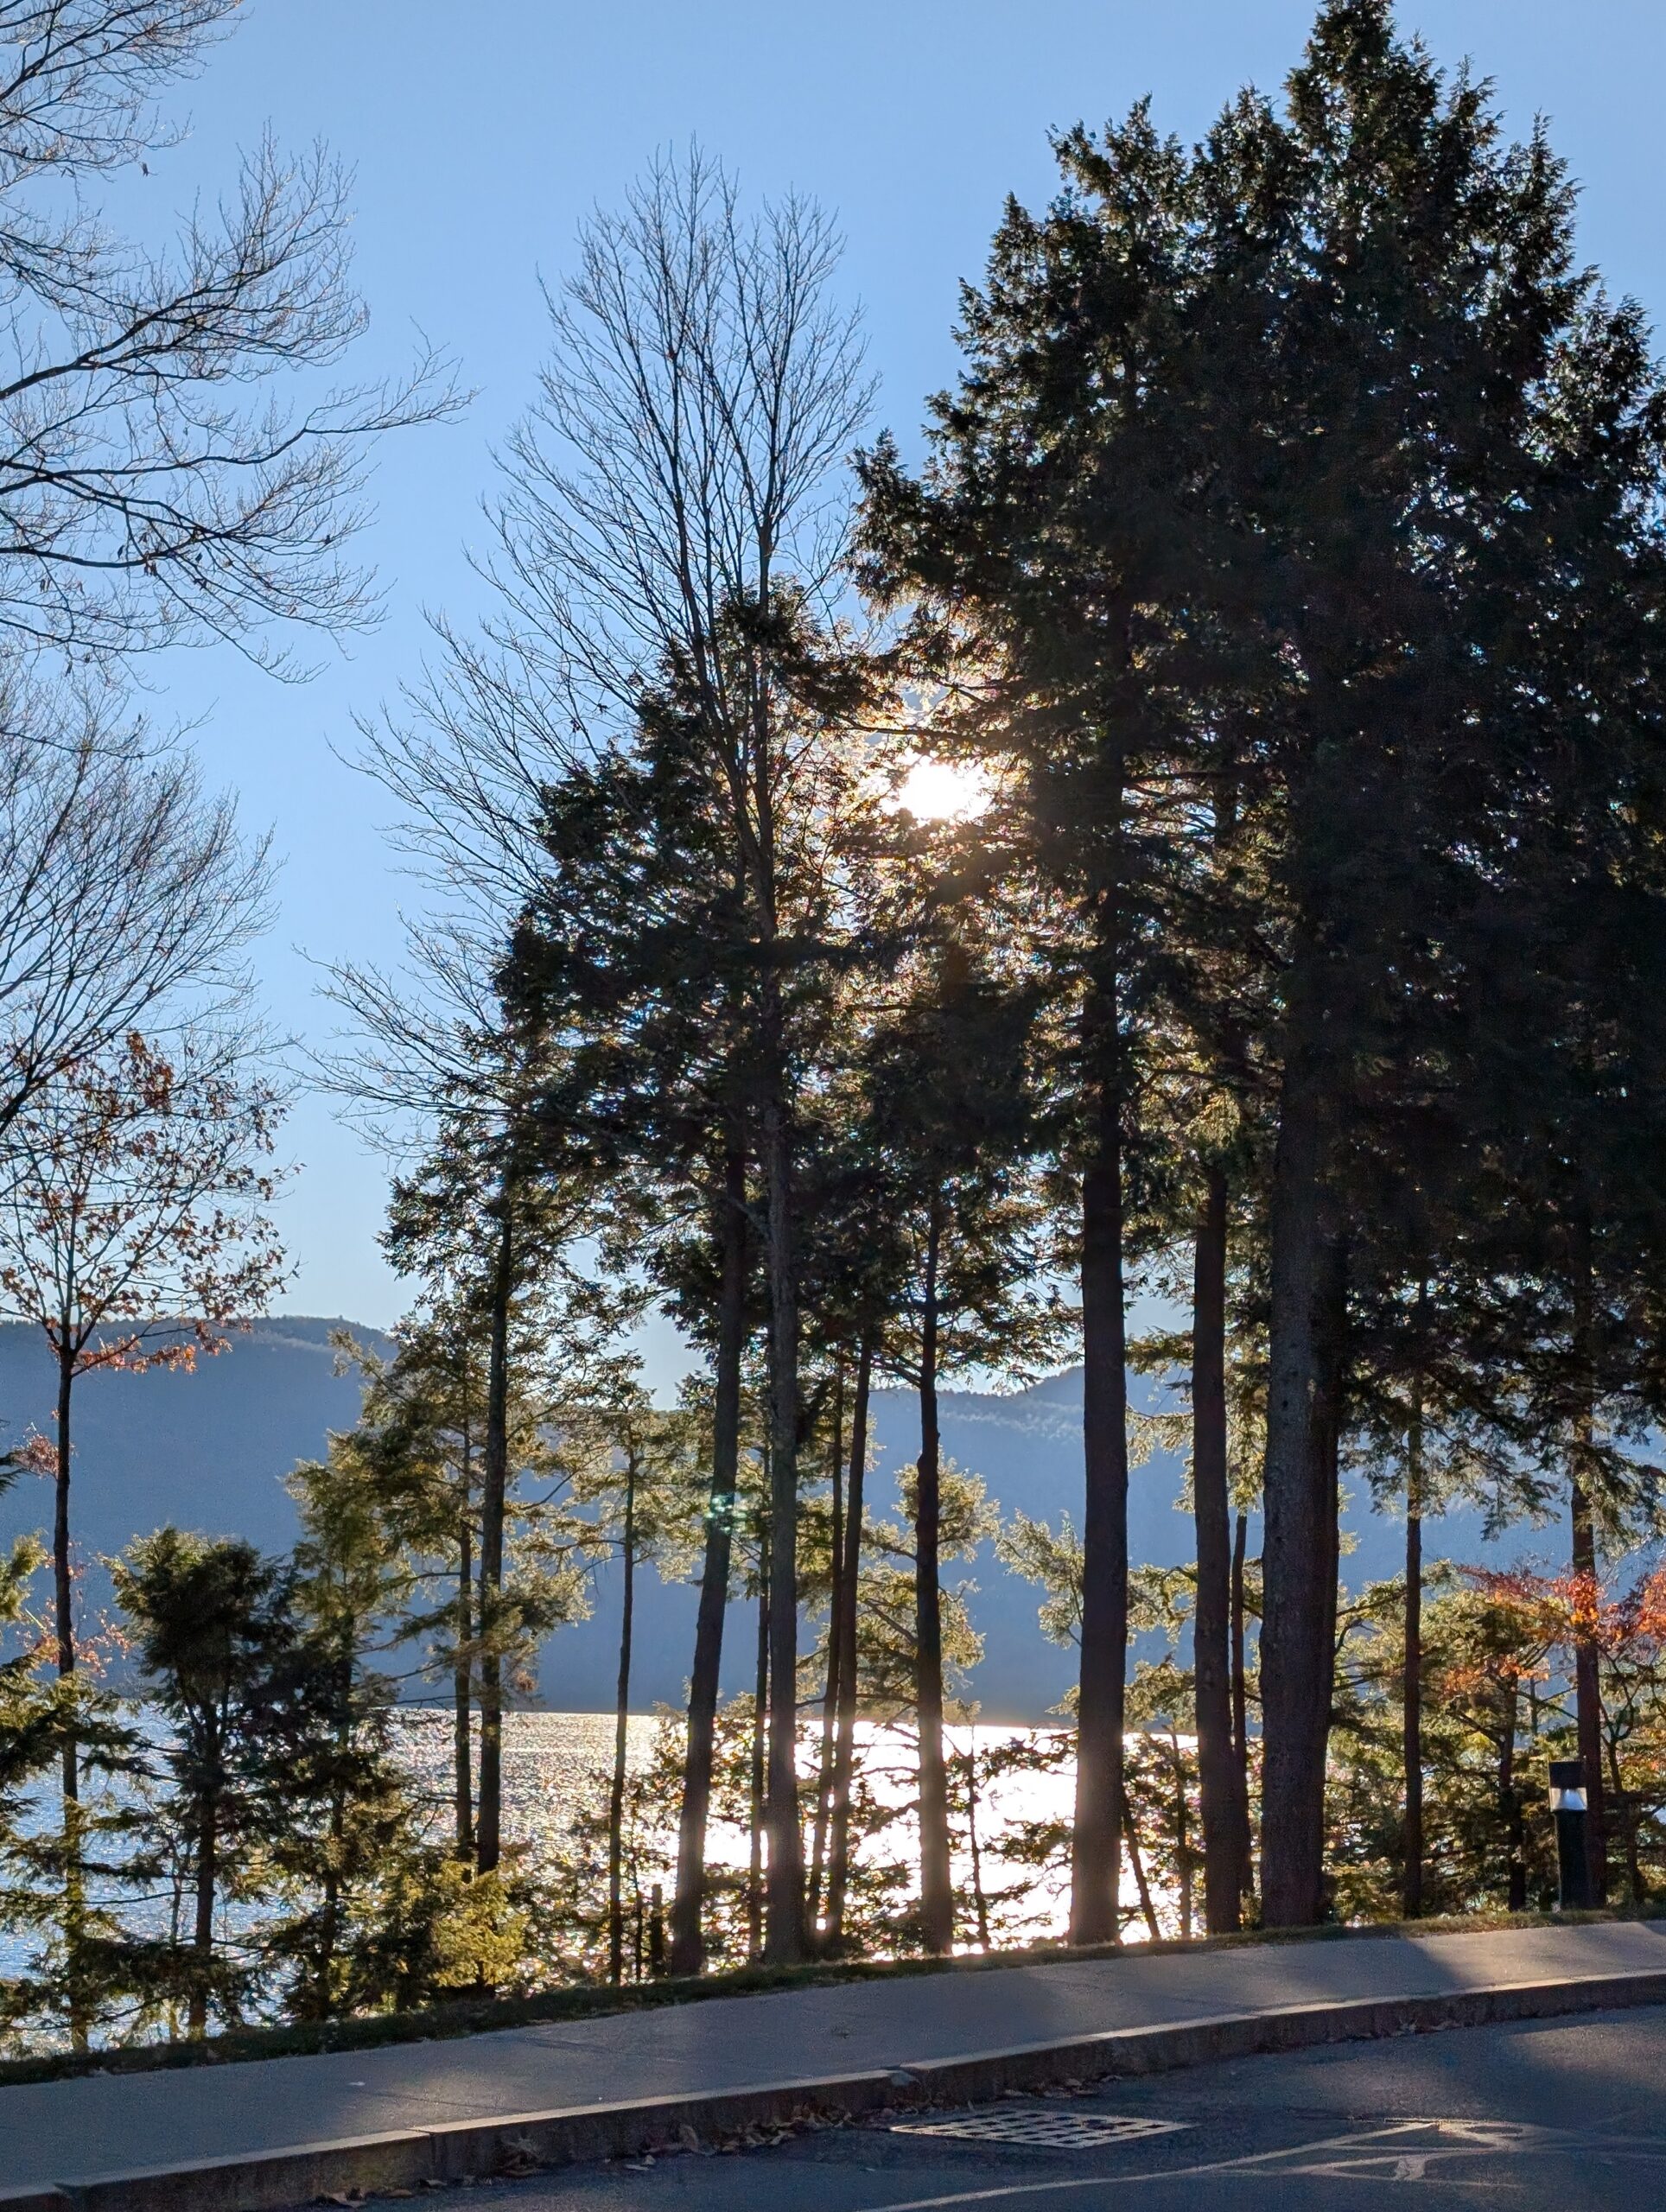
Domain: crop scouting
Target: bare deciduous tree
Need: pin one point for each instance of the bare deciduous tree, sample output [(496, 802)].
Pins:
[(152, 488), (673, 499), (672, 519), (135, 1228), (123, 887)]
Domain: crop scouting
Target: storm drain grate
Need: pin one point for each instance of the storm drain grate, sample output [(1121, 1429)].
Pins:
[(1052, 2131)]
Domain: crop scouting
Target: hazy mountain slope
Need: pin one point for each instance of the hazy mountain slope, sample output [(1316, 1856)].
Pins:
[(208, 1449)]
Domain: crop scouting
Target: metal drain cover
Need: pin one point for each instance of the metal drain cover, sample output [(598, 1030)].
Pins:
[(1040, 2128)]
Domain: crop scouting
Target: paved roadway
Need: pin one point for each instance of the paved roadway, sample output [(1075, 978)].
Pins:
[(108, 2123), (1565, 2114)]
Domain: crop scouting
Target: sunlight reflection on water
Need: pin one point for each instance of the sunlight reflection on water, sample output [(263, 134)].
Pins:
[(555, 1765), (554, 1761)]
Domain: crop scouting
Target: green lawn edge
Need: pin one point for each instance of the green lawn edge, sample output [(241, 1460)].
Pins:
[(481, 2015)]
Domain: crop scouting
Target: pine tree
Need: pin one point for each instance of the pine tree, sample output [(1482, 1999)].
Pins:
[(951, 1119), (1270, 467), (1063, 566), (665, 565), (64, 1889), (217, 1641), (415, 1453), (476, 1215), (362, 1908), (635, 1468)]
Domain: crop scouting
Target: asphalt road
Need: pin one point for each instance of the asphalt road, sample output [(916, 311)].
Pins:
[(1567, 2114)]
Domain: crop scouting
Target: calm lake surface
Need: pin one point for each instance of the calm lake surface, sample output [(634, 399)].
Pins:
[(555, 1765), (552, 1762)]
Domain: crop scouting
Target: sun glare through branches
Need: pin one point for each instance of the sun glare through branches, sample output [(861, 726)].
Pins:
[(944, 790)]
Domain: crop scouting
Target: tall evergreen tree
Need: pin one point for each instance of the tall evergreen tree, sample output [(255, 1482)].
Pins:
[(953, 1122), (665, 560), (1298, 419), (473, 1215), (1041, 550)]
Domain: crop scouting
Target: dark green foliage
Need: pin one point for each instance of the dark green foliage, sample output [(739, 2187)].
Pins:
[(224, 1659), (66, 1884), (1297, 508), (302, 1871)]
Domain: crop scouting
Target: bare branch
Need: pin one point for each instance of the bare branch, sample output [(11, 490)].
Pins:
[(153, 488), (127, 895)]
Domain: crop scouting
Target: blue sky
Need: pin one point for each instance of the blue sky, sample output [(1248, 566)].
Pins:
[(481, 134)]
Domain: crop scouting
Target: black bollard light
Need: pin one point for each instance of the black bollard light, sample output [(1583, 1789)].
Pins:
[(1567, 1803)]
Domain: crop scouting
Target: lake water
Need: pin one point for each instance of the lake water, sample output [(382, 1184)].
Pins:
[(555, 1770), (554, 1763)]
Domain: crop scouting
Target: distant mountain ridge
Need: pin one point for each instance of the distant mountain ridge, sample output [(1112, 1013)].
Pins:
[(209, 1450)]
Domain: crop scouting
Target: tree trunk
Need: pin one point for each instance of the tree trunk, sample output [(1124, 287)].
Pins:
[(1333, 1298), (980, 1902), (62, 1581), (1510, 1805), (1183, 1863), (830, 1689), (687, 1949), (838, 1865), (489, 1826), (330, 1916), (1411, 1903), (1220, 1778), (621, 1739), (1096, 1852), (1241, 1698), (936, 1895), (1299, 1549), (462, 1686), (1412, 1699), (1626, 1818), (202, 1940), (759, 1731), (64, 1627), (784, 1943), (1136, 1864), (1588, 1675), (1587, 1685)]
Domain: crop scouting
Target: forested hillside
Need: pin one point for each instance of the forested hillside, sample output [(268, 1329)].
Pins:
[(206, 1447)]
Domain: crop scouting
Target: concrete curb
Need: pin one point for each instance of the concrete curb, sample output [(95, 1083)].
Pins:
[(271, 2181)]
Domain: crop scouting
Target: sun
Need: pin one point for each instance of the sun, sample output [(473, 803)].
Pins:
[(944, 790)]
